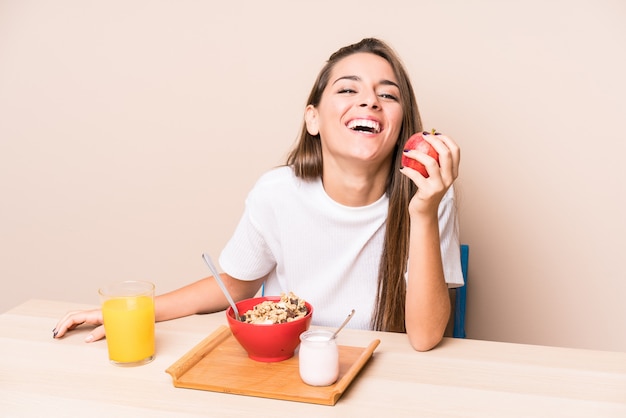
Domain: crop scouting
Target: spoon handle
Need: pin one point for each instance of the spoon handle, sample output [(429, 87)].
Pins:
[(345, 321), (216, 274)]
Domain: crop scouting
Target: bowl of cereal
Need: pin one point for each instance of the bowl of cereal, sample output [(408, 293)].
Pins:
[(270, 326)]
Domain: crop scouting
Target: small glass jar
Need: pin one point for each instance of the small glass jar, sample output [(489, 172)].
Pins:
[(318, 358)]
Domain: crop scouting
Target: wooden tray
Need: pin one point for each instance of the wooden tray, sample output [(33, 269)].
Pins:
[(220, 364)]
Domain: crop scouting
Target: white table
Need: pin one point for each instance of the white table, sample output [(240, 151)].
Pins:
[(40, 376)]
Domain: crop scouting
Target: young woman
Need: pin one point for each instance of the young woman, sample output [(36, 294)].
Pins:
[(343, 225)]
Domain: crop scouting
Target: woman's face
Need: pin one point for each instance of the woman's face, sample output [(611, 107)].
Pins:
[(359, 116)]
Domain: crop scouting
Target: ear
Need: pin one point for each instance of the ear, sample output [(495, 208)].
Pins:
[(311, 120)]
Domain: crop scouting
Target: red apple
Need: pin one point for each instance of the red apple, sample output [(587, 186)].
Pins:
[(417, 142)]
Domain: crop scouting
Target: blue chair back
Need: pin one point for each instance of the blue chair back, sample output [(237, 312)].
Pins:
[(461, 297)]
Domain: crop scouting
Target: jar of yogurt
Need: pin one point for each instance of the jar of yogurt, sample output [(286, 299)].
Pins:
[(318, 358)]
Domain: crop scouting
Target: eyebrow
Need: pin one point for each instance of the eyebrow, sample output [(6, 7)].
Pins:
[(357, 78)]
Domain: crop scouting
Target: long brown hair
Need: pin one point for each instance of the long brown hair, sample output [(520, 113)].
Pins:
[(306, 160)]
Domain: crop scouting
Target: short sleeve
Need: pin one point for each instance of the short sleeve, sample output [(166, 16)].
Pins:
[(247, 256)]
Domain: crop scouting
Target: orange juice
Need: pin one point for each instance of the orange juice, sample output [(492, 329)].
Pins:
[(129, 327)]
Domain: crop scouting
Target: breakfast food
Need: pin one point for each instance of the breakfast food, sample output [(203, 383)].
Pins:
[(417, 142), (289, 308)]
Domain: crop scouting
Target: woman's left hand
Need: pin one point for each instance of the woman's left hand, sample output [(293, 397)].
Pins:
[(430, 190)]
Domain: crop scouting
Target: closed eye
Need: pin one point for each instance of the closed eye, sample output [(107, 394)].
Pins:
[(388, 96)]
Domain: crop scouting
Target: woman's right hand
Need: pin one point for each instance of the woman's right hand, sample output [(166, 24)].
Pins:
[(75, 318)]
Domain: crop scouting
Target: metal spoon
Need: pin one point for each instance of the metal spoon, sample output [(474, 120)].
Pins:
[(216, 274), (345, 321)]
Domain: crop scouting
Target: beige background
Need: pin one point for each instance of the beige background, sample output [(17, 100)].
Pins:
[(131, 131)]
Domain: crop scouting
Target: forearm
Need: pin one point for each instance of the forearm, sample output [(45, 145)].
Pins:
[(203, 296), (427, 298), (197, 297)]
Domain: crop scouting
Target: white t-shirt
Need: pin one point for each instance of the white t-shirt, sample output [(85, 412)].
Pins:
[(324, 252)]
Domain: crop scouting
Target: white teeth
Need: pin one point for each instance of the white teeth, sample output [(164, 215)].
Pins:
[(365, 124)]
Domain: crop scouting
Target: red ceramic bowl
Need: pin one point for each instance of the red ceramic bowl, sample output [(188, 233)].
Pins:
[(267, 342)]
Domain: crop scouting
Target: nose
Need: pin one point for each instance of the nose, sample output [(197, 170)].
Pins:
[(370, 100)]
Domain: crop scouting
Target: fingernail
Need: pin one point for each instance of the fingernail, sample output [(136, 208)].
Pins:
[(54, 333), (406, 150), (89, 338), (426, 133), (437, 133)]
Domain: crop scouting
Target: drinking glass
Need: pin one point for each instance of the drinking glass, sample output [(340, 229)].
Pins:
[(128, 315)]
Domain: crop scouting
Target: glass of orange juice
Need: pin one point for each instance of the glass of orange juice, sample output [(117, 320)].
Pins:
[(128, 315)]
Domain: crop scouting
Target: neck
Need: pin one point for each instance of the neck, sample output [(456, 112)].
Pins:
[(355, 187)]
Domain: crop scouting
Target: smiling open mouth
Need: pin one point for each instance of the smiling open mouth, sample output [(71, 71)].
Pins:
[(364, 125)]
